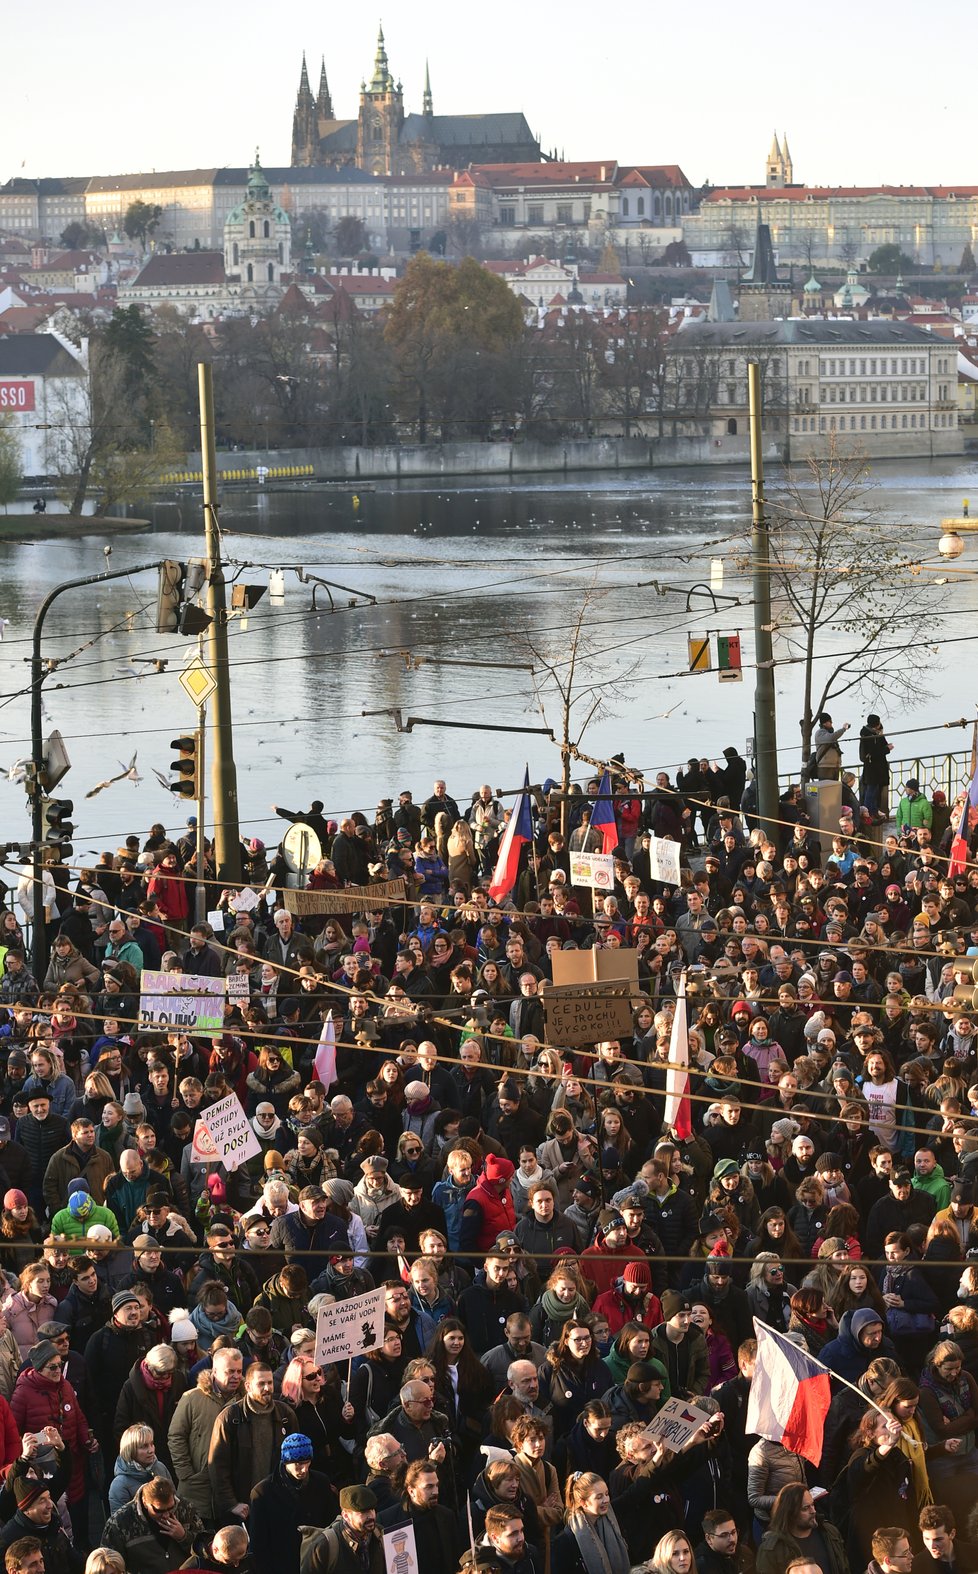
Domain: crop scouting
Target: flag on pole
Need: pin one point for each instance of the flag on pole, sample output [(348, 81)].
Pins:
[(961, 845), (603, 815), (324, 1062), (790, 1394), (678, 1115), (518, 833)]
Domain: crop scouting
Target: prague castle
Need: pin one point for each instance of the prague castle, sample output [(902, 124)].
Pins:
[(384, 140)]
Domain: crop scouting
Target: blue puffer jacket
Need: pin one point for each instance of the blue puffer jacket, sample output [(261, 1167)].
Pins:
[(128, 1477)]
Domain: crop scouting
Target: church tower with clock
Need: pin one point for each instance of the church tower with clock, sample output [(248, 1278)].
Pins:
[(381, 117)]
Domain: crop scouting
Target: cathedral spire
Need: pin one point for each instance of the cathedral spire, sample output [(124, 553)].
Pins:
[(324, 104), (382, 80), (427, 108), (305, 92), (774, 157)]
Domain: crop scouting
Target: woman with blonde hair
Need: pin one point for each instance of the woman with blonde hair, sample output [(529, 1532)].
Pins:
[(135, 1465), (462, 859), (103, 1560), (673, 1554), (591, 1542)]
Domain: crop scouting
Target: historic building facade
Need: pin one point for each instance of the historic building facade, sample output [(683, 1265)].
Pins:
[(385, 139), (877, 388)]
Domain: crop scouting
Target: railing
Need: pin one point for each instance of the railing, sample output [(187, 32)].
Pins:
[(947, 773)]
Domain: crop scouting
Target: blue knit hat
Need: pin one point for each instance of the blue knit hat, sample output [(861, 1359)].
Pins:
[(296, 1446), (80, 1204)]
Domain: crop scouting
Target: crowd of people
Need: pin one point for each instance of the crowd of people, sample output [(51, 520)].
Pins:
[(557, 1260)]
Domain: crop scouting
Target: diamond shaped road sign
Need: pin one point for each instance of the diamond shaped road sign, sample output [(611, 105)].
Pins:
[(197, 681)]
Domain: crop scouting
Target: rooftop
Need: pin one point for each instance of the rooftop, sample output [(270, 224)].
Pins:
[(37, 355), (805, 330), (181, 268)]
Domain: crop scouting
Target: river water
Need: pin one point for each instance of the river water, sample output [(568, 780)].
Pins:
[(462, 573)]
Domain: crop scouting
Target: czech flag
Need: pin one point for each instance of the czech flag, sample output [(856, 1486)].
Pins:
[(789, 1396), (324, 1061), (678, 1115), (518, 834), (603, 815), (960, 847)]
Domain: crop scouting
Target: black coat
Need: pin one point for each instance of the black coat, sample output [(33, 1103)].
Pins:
[(137, 1406), (279, 1505)]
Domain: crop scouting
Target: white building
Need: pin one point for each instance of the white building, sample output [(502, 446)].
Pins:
[(44, 393)]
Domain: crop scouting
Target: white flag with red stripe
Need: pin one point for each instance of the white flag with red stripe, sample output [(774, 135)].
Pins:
[(324, 1062), (678, 1114)]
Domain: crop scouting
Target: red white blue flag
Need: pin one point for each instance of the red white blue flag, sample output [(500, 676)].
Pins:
[(518, 834), (603, 815), (789, 1396)]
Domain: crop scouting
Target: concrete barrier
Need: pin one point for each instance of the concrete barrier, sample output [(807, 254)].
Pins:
[(396, 463)]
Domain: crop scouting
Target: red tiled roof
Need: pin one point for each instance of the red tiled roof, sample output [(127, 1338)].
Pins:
[(826, 193), (654, 175)]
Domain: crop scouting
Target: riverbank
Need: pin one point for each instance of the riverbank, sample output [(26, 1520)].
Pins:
[(41, 527)]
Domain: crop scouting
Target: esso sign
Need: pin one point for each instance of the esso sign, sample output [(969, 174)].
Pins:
[(16, 396)]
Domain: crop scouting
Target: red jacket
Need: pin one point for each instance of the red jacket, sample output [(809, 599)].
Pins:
[(38, 1403), (619, 1311), (171, 896), (498, 1214), (603, 1265), (10, 1441)]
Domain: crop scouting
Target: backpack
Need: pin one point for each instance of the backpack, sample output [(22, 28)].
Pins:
[(307, 1540)]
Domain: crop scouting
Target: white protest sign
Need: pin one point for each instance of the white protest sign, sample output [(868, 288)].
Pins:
[(186, 1000), (239, 986), (348, 1328), (400, 1549), (676, 1422), (664, 860), (596, 870), (243, 901), (224, 1133)]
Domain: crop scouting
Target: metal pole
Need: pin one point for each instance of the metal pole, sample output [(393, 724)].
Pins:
[(200, 912), (765, 713), (224, 781), (38, 936)]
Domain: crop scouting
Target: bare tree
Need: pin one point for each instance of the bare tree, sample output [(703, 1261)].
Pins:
[(101, 447), (838, 569), (574, 685)]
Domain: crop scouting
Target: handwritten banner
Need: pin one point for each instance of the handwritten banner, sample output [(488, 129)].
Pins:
[(676, 1423), (224, 1135), (306, 904), (348, 1328), (596, 870), (181, 1000), (664, 860), (587, 1013)]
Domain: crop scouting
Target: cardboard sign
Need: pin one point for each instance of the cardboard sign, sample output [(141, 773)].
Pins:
[(676, 1422), (224, 1135), (587, 1013), (596, 870), (348, 1328), (304, 904), (181, 1000), (664, 860), (400, 1550), (239, 986), (596, 967)]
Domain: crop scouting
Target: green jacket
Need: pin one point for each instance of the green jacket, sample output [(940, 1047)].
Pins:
[(913, 813), (65, 1223), (936, 1185)]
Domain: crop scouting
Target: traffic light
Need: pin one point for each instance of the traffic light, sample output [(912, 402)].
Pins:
[(185, 767), (56, 827), (174, 613), (170, 596)]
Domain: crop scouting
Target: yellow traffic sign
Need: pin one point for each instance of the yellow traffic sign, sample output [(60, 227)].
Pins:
[(197, 681)]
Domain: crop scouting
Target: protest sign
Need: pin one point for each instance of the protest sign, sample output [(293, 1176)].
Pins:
[(596, 870), (676, 1422), (352, 898), (664, 860), (224, 1134), (184, 1000), (587, 1013), (239, 986), (400, 1549), (348, 1328)]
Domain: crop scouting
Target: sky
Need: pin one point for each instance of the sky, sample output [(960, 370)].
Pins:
[(198, 84)]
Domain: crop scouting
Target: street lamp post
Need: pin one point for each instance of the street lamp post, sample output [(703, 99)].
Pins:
[(765, 714), (39, 938)]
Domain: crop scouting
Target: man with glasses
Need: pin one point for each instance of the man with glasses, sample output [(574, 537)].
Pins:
[(416, 1424), (892, 1552), (386, 1463), (720, 1552), (110, 1355), (121, 947)]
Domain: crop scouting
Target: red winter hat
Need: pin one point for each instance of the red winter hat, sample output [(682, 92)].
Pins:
[(637, 1273), (739, 1005), (498, 1168)]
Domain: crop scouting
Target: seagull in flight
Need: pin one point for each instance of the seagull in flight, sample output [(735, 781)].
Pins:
[(127, 773)]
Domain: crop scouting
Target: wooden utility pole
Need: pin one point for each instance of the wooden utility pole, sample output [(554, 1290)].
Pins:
[(224, 780)]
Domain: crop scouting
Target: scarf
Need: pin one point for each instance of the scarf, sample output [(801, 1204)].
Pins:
[(157, 1387), (558, 1312), (599, 1542), (913, 1447), (953, 1400)]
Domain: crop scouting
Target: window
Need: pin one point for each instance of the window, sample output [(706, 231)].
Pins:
[(271, 273), (234, 254), (265, 230), (251, 229), (732, 427), (251, 274), (507, 215), (534, 213), (565, 213), (624, 207), (641, 207), (903, 422)]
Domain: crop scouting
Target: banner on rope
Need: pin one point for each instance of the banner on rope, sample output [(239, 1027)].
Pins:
[(306, 904)]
